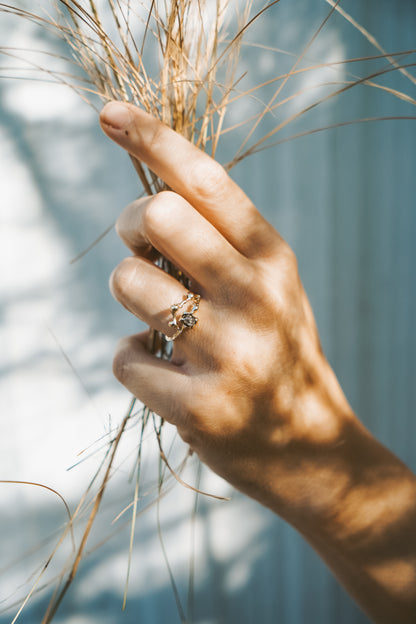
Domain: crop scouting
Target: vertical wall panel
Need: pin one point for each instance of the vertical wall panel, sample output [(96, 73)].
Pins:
[(345, 200)]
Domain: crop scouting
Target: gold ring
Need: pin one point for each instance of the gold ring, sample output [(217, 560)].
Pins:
[(184, 320)]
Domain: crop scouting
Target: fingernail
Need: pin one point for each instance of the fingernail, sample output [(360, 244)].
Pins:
[(116, 114)]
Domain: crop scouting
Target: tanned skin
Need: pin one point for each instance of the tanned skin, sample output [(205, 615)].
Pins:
[(249, 388)]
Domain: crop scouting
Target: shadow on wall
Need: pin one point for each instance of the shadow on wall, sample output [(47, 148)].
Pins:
[(254, 576), (344, 199)]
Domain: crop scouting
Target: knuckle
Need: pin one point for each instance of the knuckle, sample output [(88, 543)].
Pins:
[(188, 435), (286, 259), (121, 279), (289, 256), (160, 210), (209, 179), (121, 360), (129, 219), (123, 221), (152, 139)]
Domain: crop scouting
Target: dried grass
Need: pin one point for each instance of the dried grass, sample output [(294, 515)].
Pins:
[(190, 89)]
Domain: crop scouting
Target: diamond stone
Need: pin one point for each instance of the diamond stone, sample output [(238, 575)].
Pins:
[(188, 319)]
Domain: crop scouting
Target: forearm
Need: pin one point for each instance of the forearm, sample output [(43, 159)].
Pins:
[(370, 543), (357, 507)]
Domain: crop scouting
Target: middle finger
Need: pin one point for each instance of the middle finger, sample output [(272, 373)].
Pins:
[(171, 225)]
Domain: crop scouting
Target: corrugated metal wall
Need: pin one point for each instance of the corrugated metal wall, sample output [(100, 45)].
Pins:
[(345, 200)]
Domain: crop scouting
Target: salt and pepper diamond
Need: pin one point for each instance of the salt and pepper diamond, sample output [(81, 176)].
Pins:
[(188, 319)]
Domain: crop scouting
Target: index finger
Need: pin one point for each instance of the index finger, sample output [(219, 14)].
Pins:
[(191, 173)]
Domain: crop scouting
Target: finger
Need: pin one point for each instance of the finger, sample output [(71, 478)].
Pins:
[(168, 223), (154, 381), (148, 292), (130, 227), (191, 173)]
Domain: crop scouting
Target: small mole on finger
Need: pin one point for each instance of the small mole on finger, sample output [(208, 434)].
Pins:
[(126, 132)]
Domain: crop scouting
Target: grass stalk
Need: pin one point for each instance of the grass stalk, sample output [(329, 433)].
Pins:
[(192, 89)]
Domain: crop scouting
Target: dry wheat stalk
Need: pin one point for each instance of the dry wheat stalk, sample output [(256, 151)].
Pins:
[(190, 89)]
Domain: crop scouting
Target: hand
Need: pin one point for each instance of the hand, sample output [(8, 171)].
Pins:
[(248, 387)]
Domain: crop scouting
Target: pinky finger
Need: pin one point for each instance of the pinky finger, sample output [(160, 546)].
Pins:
[(159, 384)]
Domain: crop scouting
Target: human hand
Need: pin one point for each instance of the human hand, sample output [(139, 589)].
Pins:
[(248, 387)]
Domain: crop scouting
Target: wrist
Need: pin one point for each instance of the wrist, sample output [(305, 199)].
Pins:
[(312, 466), (302, 472)]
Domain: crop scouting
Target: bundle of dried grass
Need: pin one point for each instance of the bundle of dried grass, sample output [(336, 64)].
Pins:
[(190, 88)]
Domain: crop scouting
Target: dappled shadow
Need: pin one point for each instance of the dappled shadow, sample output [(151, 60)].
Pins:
[(345, 202), (230, 585)]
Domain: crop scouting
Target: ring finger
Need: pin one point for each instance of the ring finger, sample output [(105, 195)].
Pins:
[(149, 293)]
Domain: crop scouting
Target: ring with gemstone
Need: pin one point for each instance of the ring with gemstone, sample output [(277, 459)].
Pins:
[(183, 320)]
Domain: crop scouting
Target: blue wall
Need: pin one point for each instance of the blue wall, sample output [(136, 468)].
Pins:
[(343, 198)]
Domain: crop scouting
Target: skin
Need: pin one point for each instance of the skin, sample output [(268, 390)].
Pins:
[(249, 388)]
